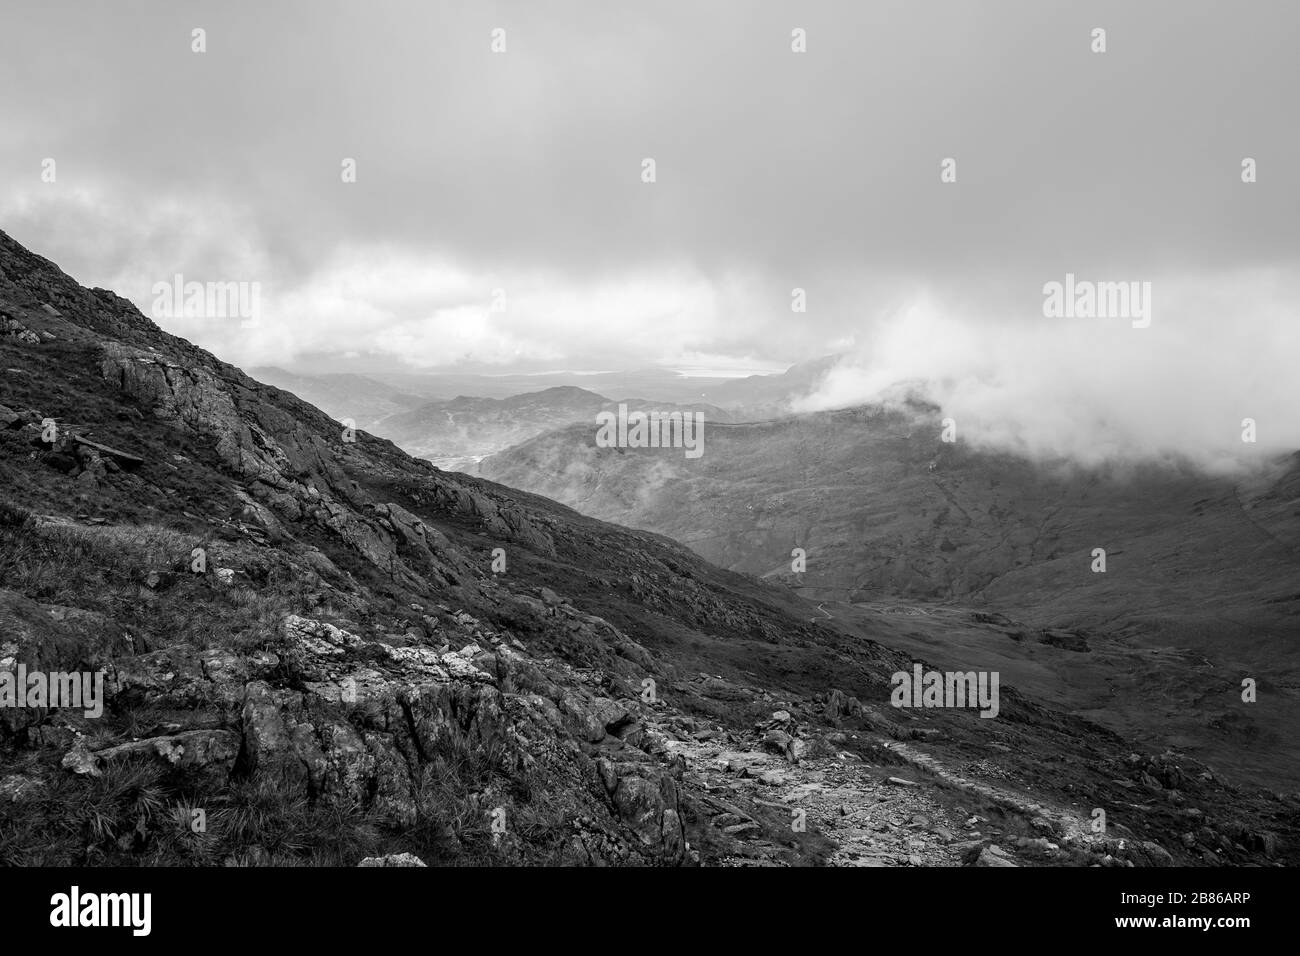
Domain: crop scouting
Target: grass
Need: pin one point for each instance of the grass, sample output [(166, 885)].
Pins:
[(138, 812), (104, 569)]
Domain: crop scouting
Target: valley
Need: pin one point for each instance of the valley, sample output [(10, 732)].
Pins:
[(981, 560)]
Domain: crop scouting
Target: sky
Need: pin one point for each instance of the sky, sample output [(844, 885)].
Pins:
[(500, 219)]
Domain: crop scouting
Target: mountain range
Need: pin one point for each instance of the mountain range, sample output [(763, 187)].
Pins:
[(333, 652), (456, 433)]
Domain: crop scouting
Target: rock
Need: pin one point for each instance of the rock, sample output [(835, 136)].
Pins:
[(223, 666), (409, 526), (269, 743), (159, 580), (1157, 854), (900, 782), (581, 717), (994, 855), (779, 720), (839, 705), (260, 663), (608, 775), (613, 716), (15, 788), (193, 749), (779, 742), (1037, 843), (258, 515), (740, 762), (124, 459), (461, 669), (393, 859), (719, 689), (649, 807)]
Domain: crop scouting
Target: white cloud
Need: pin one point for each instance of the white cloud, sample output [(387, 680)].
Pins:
[(1219, 349)]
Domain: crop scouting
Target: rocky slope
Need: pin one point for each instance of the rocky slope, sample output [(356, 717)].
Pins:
[(313, 652)]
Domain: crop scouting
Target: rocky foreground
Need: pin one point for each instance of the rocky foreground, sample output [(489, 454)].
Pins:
[(317, 649)]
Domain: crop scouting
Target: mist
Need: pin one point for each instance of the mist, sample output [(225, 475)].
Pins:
[(1095, 390)]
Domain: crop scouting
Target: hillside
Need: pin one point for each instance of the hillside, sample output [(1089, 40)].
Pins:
[(1199, 591), (305, 638)]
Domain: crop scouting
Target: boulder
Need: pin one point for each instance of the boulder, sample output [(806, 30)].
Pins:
[(393, 859), (123, 459), (993, 855), (779, 742)]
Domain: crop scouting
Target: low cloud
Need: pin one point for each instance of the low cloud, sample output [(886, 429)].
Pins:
[(1219, 350)]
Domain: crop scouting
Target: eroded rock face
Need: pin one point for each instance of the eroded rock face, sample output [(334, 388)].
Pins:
[(187, 396), (502, 520), (364, 721), (295, 474), (649, 806)]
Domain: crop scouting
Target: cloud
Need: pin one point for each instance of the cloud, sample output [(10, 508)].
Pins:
[(1219, 350), (776, 171)]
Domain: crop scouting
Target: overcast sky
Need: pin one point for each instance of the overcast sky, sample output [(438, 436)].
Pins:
[(522, 171)]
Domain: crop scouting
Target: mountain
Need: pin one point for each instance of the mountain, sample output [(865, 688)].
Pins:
[(455, 434), (343, 395), (328, 651), (654, 384), (988, 554), (770, 396)]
